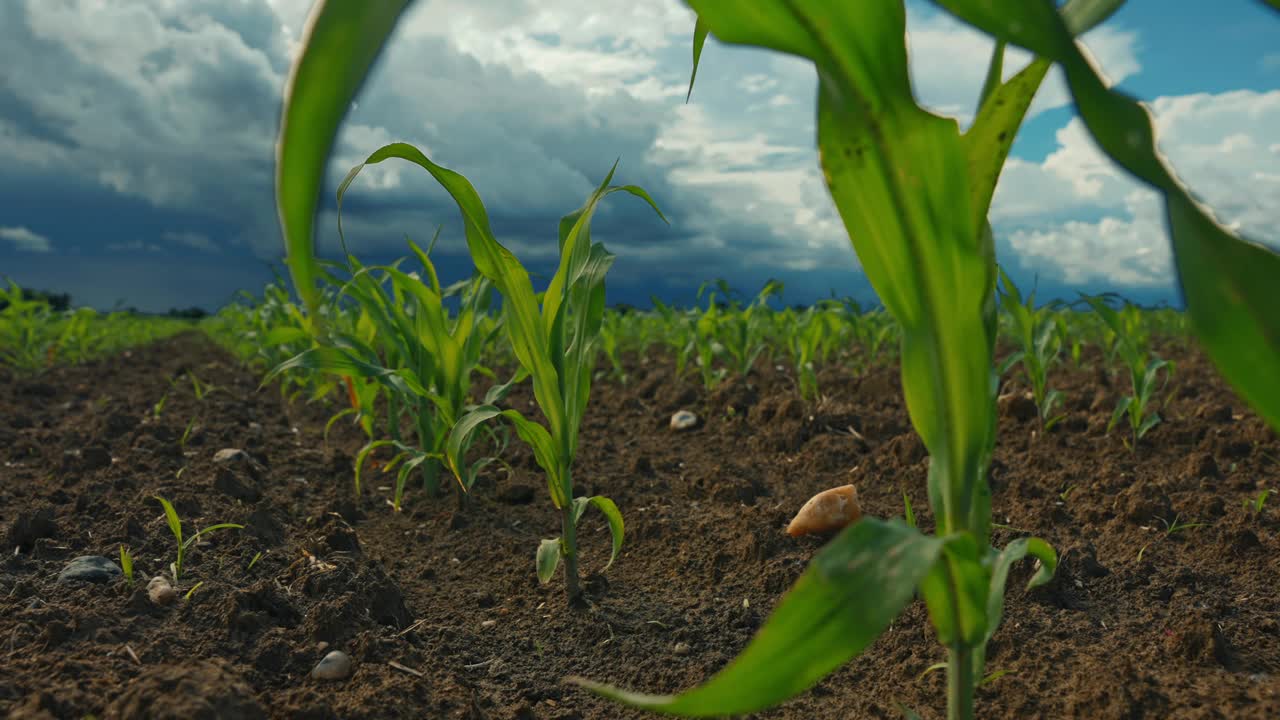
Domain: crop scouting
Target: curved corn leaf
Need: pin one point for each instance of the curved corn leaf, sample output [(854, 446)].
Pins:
[(1228, 282), (339, 45), (536, 436), (524, 325), (852, 590), (611, 513), (699, 39)]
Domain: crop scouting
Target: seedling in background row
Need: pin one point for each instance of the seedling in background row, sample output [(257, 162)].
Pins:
[(175, 526), (1144, 371), (1039, 344)]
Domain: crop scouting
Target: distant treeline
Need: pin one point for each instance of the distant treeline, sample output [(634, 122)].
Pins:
[(60, 302)]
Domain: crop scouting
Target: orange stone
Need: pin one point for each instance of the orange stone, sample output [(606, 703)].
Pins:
[(827, 512)]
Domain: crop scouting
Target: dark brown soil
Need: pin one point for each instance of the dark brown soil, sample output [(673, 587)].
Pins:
[(442, 614)]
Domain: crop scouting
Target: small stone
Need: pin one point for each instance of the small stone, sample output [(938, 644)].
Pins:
[(90, 568), (683, 420), (238, 459), (682, 648), (160, 591), (489, 623), (335, 666)]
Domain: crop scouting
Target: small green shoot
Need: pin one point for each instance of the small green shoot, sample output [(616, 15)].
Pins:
[(908, 514), (192, 591), (158, 408), (126, 564), (175, 526), (257, 556), (186, 435), (1257, 503), (1176, 527)]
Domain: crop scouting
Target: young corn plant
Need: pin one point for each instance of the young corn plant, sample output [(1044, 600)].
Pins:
[(913, 193), (1039, 343), (422, 356), (175, 526), (555, 342), (1144, 372)]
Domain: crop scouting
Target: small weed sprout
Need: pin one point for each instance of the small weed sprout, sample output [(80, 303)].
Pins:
[(256, 557), (175, 526)]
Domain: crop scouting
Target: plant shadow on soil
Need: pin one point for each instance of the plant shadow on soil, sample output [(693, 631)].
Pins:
[(443, 616)]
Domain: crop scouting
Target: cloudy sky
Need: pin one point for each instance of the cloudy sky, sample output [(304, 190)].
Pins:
[(137, 143)]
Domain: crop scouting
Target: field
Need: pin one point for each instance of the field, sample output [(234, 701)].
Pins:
[(1164, 602), (368, 493)]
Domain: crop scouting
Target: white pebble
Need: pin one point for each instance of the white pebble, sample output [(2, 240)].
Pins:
[(160, 591), (335, 666), (683, 420)]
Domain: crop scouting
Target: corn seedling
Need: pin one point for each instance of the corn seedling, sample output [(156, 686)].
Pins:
[(1258, 502), (192, 591), (186, 435), (1144, 370), (256, 557), (1039, 344), (555, 343), (1170, 528), (126, 564), (175, 526), (158, 409), (200, 389), (418, 353)]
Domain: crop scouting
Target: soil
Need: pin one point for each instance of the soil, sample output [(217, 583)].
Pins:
[(443, 617)]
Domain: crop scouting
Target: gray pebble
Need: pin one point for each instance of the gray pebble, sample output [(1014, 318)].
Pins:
[(682, 648), (90, 568), (335, 666)]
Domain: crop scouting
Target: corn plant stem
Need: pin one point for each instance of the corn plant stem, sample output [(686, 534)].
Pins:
[(960, 682), (569, 553)]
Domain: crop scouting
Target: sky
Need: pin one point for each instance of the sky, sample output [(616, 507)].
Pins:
[(138, 138)]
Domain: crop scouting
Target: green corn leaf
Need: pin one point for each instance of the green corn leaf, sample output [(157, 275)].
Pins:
[(171, 516), (340, 43), (364, 455), (220, 526), (1228, 282), (611, 513), (1012, 553), (853, 588), (1122, 407), (955, 591), (988, 141), (699, 39), (536, 436), (548, 559)]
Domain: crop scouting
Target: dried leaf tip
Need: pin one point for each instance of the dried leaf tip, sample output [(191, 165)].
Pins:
[(827, 512)]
